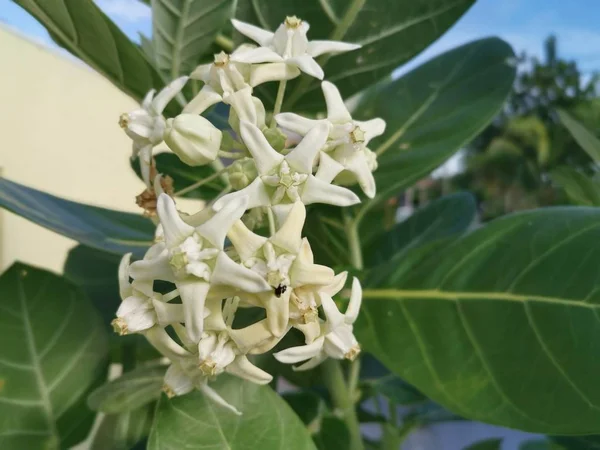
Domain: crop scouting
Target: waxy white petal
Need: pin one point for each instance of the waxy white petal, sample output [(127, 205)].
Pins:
[(372, 128), (147, 101), (355, 302), (262, 37), (266, 157), (311, 363), (296, 123), (289, 235), (257, 56), (202, 72), (293, 355), (215, 229), (255, 192), (245, 241), (161, 341), (336, 109), (167, 94), (153, 269), (317, 48), (262, 73), (311, 330), (202, 101), (193, 295), (177, 382), (278, 312), (175, 229), (243, 368), (334, 317), (328, 169), (359, 166), (318, 191), (303, 272), (124, 285), (228, 272), (308, 65), (167, 313), (303, 156), (215, 397), (336, 285)]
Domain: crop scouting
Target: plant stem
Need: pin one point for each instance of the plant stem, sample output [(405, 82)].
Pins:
[(342, 400), (272, 228), (224, 42), (278, 101), (200, 183), (353, 241)]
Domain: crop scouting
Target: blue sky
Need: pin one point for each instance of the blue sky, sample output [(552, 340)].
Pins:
[(523, 23)]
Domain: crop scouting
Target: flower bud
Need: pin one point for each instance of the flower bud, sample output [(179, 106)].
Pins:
[(241, 173), (193, 139), (276, 138)]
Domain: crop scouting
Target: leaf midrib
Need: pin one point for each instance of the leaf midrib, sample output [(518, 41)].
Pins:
[(395, 294)]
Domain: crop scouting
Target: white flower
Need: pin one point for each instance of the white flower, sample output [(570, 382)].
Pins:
[(225, 76), (288, 44), (193, 258), (193, 139), (245, 107), (146, 125), (286, 262), (142, 308), (286, 179), (348, 138), (337, 339)]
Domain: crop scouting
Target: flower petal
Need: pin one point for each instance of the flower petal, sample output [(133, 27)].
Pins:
[(328, 169), (334, 317), (167, 313), (308, 65), (257, 56), (202, 72), (317, 191), (289, 235), (193, 295), (278, 312), (296, 123), (177, 382), (153, 269), (215, 397), (311, 330), (161, 341), (303, 156), (372, 128), (262, 73), (124, 285), (168, 93), (266, 157), (293, 355), (281, 212), (359, 166), (355, 302), (311, 363), (256, 192), (336, 109), (336, 286), (147, 101), (228, 272), (304, 272), (259, 35), (175, 229), (213, 311), (216, 228), (243, 368), (202, 101), (245, 241), (317, 48)]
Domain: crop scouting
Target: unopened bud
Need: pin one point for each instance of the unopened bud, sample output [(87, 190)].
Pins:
[(241, 173), (193, 139), (276, 138)]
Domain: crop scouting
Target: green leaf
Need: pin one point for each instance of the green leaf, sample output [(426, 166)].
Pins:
[(584, 137), (81, 28), (184, 30), (308, 406), (440, 219), (488, 444), (542, 445), (334, 434), (390, 32), (580, 188), (52, 350), (130, 391), (185, 176), (395, 389), (490, 324), (123, 431), (434, 110), (194, 421), (575, 443), (104, 229)]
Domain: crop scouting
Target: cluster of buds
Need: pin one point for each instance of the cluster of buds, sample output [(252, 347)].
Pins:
[(278, 170)]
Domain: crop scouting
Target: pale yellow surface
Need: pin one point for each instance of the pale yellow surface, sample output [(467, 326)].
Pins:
[(58, 120)]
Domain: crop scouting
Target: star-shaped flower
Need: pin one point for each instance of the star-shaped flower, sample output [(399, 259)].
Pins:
[(193, 258), (337, 339), (288, 44), (146, 125), (347, 139), (289, 178)]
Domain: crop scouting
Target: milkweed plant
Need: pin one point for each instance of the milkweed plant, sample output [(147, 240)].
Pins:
[(287, 305)]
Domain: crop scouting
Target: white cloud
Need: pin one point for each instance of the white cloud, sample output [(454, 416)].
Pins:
[(129, 10)]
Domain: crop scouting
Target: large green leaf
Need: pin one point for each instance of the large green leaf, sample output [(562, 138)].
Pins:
[(194, 421), (580, 188), (488, 444), (185, 176), (183, 30), (104, 229), (391, 32), (81, 28), (439, 219), (574, 443), (434, 110), (123, 431), (502, 326), (584, 137), (52, 349)]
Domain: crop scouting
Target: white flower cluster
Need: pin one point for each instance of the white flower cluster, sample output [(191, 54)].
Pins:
[(277, 171)]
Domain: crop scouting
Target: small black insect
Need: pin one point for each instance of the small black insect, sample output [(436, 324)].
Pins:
[(280, 290)]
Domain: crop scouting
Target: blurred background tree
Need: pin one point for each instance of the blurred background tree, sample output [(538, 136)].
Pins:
[(508, 164)]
